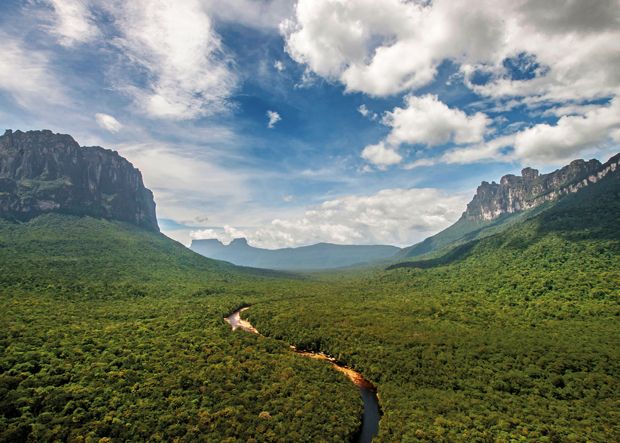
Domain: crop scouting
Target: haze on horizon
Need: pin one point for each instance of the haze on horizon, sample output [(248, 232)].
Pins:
[(296, 122)]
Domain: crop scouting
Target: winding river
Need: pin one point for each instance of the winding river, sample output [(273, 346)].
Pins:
[(370, 422)]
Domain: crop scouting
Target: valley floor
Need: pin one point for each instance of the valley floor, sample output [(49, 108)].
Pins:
[(110, 333), (469, 368)]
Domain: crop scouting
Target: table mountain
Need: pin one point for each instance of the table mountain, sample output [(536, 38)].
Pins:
[(44, 172), (496, 206), (531, 189)]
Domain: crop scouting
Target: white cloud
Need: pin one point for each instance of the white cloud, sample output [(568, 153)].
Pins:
[(568, 109), (381, 155), (307, 79), (489, 151), (593, 129), (273, 117), (399, 46), (363, 109), (426, 120), (189, 72), (569, 136), (420, 163), (188, 183), (278, 65), (252, 13), (26, 75), (391, 216), (186, 72), (382, 51), (108, 122), (73, 22)]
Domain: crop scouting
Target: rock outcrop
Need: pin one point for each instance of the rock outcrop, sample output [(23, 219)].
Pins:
[(45, 172), (531, 189)]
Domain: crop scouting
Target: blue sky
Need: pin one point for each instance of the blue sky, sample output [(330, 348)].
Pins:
[(384, 116)]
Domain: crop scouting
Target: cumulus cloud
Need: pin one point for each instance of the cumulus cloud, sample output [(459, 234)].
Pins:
[(273, 118), (108, 122), (426, 120), (73, 22), (592, 129), (381, 155), (391, 216), (189, 72), (399, 46), (569, 136), (279, 65)]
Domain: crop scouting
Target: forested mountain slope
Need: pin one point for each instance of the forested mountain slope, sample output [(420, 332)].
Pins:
[(65, 252), (590, 216), (496, 206)]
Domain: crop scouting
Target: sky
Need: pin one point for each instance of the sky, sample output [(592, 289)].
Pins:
[(295, 122)]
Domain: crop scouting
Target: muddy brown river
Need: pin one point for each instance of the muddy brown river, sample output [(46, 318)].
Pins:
[(372, 414)]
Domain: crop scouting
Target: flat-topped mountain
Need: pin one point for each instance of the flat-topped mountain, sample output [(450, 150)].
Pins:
[(42, 172), (531, 189), (313, 257), (497, 205)]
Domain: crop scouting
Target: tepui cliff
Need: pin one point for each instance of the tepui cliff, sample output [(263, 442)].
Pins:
[(41, 172)]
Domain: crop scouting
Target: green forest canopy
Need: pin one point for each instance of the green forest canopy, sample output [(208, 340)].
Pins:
[(112, 332)]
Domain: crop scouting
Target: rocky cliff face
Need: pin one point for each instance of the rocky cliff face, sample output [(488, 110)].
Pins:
[(42, 172), (531, 189)]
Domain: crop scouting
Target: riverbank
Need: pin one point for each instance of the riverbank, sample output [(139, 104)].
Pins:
[(368, 392)]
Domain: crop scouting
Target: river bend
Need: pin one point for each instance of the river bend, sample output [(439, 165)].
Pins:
[(372, 414)]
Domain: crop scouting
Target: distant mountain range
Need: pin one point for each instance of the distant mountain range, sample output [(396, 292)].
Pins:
[(315, 257), (494, 207)]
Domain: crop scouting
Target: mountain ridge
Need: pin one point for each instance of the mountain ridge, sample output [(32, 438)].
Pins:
[(565, 219), (318, 256), (531, 189), (495, 206)]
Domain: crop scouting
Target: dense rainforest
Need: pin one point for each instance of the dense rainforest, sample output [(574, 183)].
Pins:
[(113, 333), (514, 338)]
